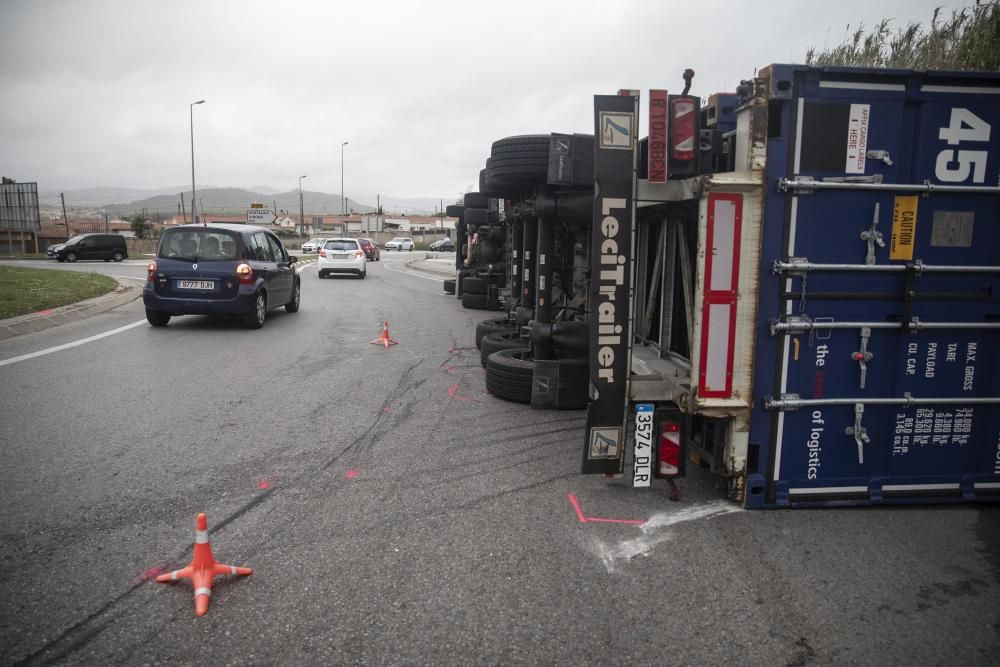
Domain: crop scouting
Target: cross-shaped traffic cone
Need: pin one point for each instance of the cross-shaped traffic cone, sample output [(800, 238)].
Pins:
[(384, 338), (203, 568)]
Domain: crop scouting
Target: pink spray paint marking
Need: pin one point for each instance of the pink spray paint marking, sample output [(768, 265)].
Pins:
[(352, 474), (453, 392), (264, 484), (44, 313), (596, 519), (450, 370), (386, 410)]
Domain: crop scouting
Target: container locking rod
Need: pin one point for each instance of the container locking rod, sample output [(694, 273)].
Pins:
[(859, 432)]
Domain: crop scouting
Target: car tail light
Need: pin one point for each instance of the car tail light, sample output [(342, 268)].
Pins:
[(683, 128), (670, 449), (322, 253), (151, 271), (245, 274), (359, 254)]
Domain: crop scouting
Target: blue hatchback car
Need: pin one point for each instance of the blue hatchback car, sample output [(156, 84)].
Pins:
[(220, 269)]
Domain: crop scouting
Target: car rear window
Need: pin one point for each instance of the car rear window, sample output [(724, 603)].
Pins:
[(341, 245), (198, 245)]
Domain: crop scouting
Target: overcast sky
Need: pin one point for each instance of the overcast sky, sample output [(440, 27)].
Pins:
[(94, 93)]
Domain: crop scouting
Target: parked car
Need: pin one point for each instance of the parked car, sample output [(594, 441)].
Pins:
[(222, 269), (443, 245), (90, 246), (400, 243), (342, 256), (313, 245), (371, 250)]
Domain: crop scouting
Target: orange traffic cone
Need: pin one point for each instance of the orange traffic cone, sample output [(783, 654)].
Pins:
[(384, 338), (203, 568)]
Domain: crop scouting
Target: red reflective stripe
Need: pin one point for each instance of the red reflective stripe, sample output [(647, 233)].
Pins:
[(682, 127), (726, 296)]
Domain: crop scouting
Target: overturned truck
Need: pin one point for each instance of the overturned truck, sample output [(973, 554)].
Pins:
[(796, 285)]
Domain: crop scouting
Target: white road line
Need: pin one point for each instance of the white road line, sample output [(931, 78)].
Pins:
[(389, 266), (76, 343)]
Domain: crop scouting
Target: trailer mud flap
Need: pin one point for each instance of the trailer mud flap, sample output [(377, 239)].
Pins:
[(615, 126)]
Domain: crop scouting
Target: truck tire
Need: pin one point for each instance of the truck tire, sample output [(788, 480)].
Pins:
[(449, 286), (476, 217), (520, 159), (475, 301), (486, 327), (476, 200), (509, 374), (494, 342), (474, 285), (483, 189), (454, 211)]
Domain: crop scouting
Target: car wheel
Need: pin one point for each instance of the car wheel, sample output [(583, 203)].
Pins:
[(119, 256), (60, 259), (487, 327), (156, 318), (449, 286), (107, 259), (494, 342), (322, 274), (293, 305), (71, 257), (254, 318), (363, 274)]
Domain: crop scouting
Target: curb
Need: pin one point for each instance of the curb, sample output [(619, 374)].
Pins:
[(425, 266), (126, 292)]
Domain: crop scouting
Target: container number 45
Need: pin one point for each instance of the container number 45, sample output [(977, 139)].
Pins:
[(955, 165)]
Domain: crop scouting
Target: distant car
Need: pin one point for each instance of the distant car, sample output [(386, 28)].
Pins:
[(443, 245), (371, 250), (90, 246), (342, 256), (313, 245), (400, 243), (222, 269)]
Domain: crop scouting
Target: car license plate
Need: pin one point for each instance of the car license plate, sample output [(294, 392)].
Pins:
[(195, 284), (341, 256)]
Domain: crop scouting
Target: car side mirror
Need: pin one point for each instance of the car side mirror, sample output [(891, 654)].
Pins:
[(292, 259)]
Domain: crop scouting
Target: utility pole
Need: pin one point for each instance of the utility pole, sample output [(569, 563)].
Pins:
[(65, 219), (107, 225), (183, 212)]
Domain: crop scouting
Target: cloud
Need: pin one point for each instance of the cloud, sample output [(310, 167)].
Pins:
[(97, 93)]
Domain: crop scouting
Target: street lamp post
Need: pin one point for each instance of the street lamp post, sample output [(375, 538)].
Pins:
[(302, 215), (343, 202), (194, 216)]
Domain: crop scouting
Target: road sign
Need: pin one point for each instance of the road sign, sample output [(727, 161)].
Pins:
[(260, 216)]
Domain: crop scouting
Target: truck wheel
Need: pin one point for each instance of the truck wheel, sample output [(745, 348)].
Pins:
[(483, 189), (476, 217), (509, 374), (454, 211), (486, 327), (474, 286), (476, 200), (449, 286), (494, 342), (475, 301), (517, 161)]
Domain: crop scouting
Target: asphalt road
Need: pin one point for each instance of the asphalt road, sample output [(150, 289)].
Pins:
[(395, 513)]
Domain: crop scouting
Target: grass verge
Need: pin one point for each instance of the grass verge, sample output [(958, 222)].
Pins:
[(24, 291)]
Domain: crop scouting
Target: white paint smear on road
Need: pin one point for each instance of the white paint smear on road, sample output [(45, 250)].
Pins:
[(76, 343), (614, 556)]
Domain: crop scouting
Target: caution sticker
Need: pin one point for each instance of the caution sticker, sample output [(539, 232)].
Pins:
[(904, 228)]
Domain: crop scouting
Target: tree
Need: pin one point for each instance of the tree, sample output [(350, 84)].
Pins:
[(7, 180), (140, 226), (967, 40)]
